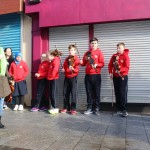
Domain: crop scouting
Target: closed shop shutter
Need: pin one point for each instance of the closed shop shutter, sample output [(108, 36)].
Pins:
[(62, 37), (136, 36), (10, 31)]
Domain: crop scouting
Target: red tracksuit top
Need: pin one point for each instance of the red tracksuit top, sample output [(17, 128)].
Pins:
[(43, 69), (98, 57), (123, 61), (19, 71), (53, 69), (68, 72)]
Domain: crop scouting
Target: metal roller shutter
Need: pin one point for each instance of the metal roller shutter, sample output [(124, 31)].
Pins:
[(10, 31), (136, 36), (62, 37)]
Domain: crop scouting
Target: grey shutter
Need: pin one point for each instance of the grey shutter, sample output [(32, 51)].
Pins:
[(136, 36)]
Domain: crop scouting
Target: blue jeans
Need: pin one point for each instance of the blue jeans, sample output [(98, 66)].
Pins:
[(1, 105)]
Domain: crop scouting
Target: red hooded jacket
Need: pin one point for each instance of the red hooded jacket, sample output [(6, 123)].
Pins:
[(123, 61), (53, 69), (98, 57), (43, 69), (19, 71), (68, 72)]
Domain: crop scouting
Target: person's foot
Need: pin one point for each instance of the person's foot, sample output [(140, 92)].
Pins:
[(96, 112), (73, 112), (53, 111), (118, 113), (20, 107), (5, 106), (43, 109), (16, 107), (124, 113), (63, 111), (88, 112), (34, 109), (2, 126)]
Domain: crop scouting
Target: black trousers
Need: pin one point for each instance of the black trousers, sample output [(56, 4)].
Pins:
[(121, 89), (53, 92), (93, 87), (40, 90), (70, 87), (19, 100)]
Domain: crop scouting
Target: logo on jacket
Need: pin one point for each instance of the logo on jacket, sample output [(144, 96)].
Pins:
[(20, 66), (96, 56)]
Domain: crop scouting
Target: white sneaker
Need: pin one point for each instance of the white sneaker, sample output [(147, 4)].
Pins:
[(5, 106), (20, 107), (54, 111), (15, 108)]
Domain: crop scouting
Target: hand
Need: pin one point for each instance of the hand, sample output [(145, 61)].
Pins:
[(63, 70), (37, 75), (71, 68), (81, 61), (111, 76), (95, 65)]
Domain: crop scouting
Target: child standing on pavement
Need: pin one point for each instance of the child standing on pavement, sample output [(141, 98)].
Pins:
[(19, 71), (71, 70), (52, 77), (93, 59), (118, 69), (42, 81)]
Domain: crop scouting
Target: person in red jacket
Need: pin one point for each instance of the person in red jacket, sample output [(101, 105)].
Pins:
[(93, 59), (18, 71), (42, 81), (52, 77), (118, 69), (71, 70)]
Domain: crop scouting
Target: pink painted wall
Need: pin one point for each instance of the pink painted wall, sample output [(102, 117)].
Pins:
[(70, 12), (39, 46)]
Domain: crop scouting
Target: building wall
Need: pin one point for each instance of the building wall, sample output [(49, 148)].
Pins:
[(26, 49), (10, 6), (71, 12)]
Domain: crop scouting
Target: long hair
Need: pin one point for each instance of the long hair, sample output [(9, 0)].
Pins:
[(11, 56)]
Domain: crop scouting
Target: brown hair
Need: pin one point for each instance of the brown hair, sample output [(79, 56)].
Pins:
[(94, 39), (121, 43), (55, 53), (72, 46)]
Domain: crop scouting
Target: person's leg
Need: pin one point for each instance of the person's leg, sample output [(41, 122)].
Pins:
[(96, 91), (66, 93), (21, 102), (123, 93), (73, 93), (17, 102), (1, 112), (53, 88), (40, 89), (88, 87), (116, 81)]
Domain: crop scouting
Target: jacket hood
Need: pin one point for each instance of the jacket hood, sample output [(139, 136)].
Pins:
[(126, 51)]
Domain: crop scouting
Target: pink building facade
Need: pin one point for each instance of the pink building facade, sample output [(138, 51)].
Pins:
[(108, 20)]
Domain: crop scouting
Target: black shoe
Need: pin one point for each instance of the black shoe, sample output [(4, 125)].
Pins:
[(2, 126), (124, 113), (96, 112), (88, 112)]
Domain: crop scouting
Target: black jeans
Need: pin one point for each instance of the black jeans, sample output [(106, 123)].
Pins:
[(53, 92), (121, 89), (40, 90), (93, 87), (70, 86)]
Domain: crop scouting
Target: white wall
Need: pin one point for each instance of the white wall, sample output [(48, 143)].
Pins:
[(26, 49)]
